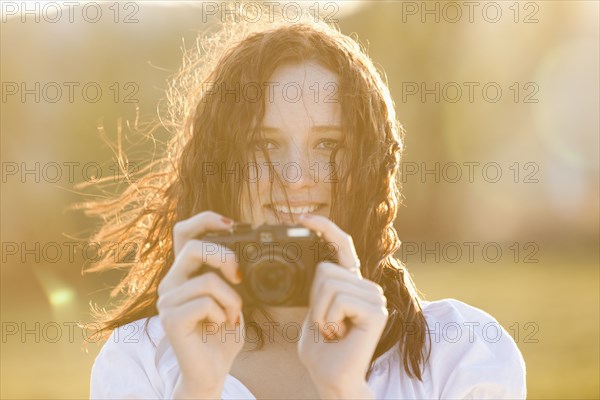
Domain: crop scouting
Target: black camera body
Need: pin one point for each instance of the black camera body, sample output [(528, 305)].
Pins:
[(277, 262)]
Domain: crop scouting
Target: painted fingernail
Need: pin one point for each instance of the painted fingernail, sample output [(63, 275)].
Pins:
[(226, 221)]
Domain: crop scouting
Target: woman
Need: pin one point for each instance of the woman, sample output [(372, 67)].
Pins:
[(283, 123)]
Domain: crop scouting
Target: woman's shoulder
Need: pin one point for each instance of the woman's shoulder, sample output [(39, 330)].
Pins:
[(127, 362), (457, 326), (471, 356)]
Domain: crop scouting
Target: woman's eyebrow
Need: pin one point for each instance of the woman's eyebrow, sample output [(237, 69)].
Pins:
[(270, 130), (326, 128)]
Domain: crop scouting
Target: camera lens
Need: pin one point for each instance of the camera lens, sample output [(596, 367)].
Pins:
[(274, 282)]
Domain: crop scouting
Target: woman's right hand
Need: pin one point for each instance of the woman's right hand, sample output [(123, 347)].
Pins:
[(195, 312)]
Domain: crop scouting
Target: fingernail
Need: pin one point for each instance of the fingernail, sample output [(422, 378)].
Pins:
[(238, 275), (237, 320), (305, 216), (226, 221)]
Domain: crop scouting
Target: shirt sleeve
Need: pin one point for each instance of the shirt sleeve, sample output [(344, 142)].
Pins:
[(124, 368), (474, 357)]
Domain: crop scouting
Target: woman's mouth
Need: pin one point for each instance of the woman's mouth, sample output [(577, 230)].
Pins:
[(294, 210)]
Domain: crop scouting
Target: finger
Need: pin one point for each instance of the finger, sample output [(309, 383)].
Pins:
[(207, 284), (327, 270), (197, 225), (343, 242), (188, 315), (331, 288), (331, 278), (194, 254), (363, 315)]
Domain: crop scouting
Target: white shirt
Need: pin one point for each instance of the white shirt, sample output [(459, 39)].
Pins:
[(472, 357)]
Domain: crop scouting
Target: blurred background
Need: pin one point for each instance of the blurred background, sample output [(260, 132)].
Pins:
[(500, 104)]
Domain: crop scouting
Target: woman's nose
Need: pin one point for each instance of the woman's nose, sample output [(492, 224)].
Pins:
[(298, 171)]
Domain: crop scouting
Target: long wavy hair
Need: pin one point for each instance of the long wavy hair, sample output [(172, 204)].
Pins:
[(209, 126)]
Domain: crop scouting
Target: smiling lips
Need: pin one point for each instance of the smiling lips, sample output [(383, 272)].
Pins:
[(295, 209)]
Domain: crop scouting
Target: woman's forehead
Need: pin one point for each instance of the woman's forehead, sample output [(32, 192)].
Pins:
[(309, 71), (302, 96)]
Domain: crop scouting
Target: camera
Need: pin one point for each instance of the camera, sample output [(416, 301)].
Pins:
[(277, 262)]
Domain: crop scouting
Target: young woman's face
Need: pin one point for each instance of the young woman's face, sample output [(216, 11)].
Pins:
[(301, 126)]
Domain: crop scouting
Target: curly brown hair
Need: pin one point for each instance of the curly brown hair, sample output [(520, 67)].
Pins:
[(209, 128)]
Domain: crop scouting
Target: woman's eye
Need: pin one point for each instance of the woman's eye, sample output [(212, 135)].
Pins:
[(328, 144), (264, 144)]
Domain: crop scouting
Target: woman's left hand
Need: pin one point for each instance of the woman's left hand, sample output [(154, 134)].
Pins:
[(346, 317)]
